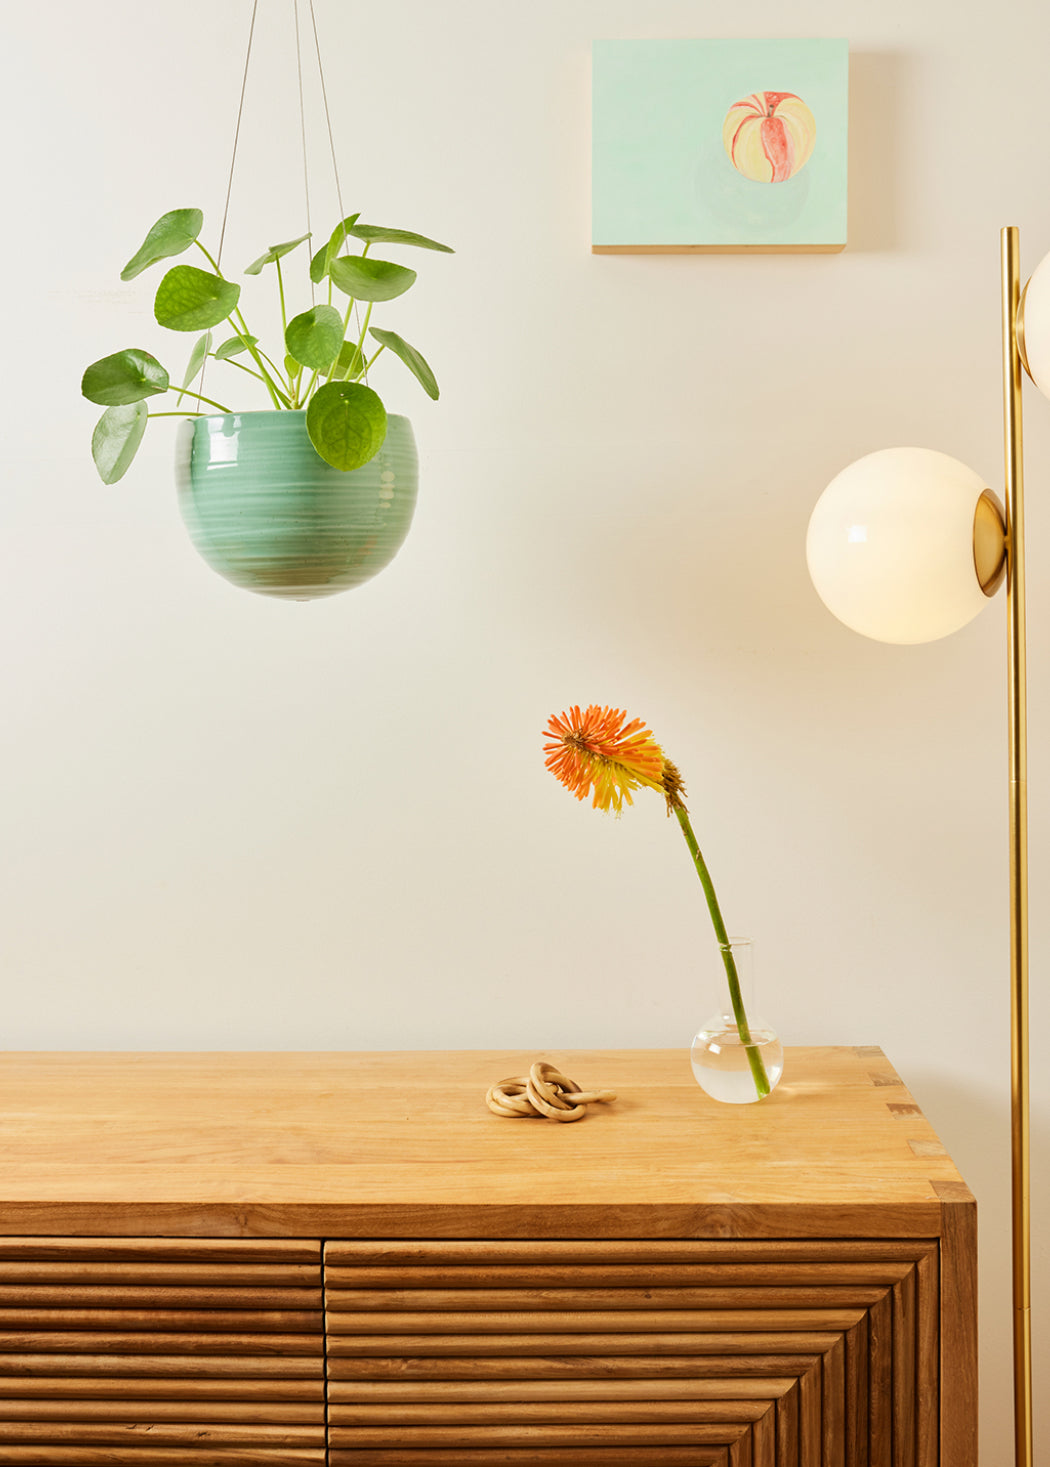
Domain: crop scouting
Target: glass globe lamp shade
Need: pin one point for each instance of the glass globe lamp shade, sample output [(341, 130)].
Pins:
[(891, 545), (1035, 326)]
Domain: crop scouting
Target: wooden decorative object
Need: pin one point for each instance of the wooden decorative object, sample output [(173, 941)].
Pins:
[(544, 1091), (694, 1284)]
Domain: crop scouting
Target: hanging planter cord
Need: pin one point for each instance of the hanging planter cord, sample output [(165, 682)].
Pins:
[(302, 133)]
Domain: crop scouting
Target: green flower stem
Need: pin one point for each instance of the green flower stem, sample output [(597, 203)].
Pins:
[(184, 413), (754, 1056)]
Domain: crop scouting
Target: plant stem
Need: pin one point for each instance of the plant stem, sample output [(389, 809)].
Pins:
[(185, 413), (258, 375), (277, 371), (364, 328), (271, 386), (280, 288), (353, 307), (361, 344), (185, 392), (209, 259), (754, 1056)]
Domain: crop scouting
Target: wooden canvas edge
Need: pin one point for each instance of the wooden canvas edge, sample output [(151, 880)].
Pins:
[(793, 249)]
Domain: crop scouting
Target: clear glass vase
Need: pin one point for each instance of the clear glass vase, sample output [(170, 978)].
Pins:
[(737, 1058)]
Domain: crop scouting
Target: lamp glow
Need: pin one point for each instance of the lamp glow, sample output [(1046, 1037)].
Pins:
[(1035, 326), (891, 545)]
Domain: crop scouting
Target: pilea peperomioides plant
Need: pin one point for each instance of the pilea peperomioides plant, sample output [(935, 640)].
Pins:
[(325, 362)]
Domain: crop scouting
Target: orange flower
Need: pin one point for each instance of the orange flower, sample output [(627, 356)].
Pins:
[(597, 750)]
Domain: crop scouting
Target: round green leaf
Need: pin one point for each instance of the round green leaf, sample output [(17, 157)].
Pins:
[(346, 422), (189, 299), (172, 233), (415, 362), (314, 338), (374, 234), (275, 252), (370, 280), (233, 347), (126, 376), (116, 438)]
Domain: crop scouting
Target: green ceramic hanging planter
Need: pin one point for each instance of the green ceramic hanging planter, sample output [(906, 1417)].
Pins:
[(315, 495), (267, 513)]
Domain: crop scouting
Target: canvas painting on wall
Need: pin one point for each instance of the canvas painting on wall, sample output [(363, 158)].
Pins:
[(719, 145)]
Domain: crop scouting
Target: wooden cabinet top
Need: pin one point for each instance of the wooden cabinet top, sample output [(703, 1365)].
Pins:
[(402, 1145)]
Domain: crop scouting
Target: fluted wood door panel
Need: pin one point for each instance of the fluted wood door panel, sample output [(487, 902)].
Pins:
[(740, 1354), (190, 1352)]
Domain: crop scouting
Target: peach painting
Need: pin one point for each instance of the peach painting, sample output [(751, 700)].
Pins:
[(769, 136), (719, 145)]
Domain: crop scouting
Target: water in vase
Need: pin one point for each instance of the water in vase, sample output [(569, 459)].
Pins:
[(722, 1066)]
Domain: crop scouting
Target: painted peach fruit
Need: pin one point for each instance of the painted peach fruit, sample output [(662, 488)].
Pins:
[(769, 135)]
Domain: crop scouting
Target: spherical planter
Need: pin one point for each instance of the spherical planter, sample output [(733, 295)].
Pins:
[(265, 510)]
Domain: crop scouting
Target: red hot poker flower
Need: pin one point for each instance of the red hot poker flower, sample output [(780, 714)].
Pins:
[(597, 750)]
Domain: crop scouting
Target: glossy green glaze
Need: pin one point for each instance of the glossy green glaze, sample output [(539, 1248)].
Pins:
[(267, 513)]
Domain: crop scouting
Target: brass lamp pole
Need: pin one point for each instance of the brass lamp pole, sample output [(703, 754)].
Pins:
[(906, 545), (1013, 359)]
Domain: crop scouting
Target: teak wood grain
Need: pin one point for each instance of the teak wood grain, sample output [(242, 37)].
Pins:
[(132, 1454), (537, 1456), (354, 1145), (84, 1374), (292, 1258), (482, 1379)]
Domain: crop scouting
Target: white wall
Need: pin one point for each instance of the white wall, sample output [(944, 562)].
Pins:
[(237, 823)]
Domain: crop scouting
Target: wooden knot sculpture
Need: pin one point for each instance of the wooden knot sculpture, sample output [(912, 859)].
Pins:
[(543, 1092)]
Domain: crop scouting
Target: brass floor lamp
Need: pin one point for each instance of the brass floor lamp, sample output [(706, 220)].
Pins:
[(907, 545)]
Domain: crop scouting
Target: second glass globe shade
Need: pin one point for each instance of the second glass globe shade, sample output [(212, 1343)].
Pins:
[(890, 545)]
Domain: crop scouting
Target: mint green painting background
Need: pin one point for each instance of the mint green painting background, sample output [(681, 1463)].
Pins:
[(661, 175)]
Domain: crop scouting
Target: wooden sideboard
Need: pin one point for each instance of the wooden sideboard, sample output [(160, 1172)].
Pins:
[(278, 1259)]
